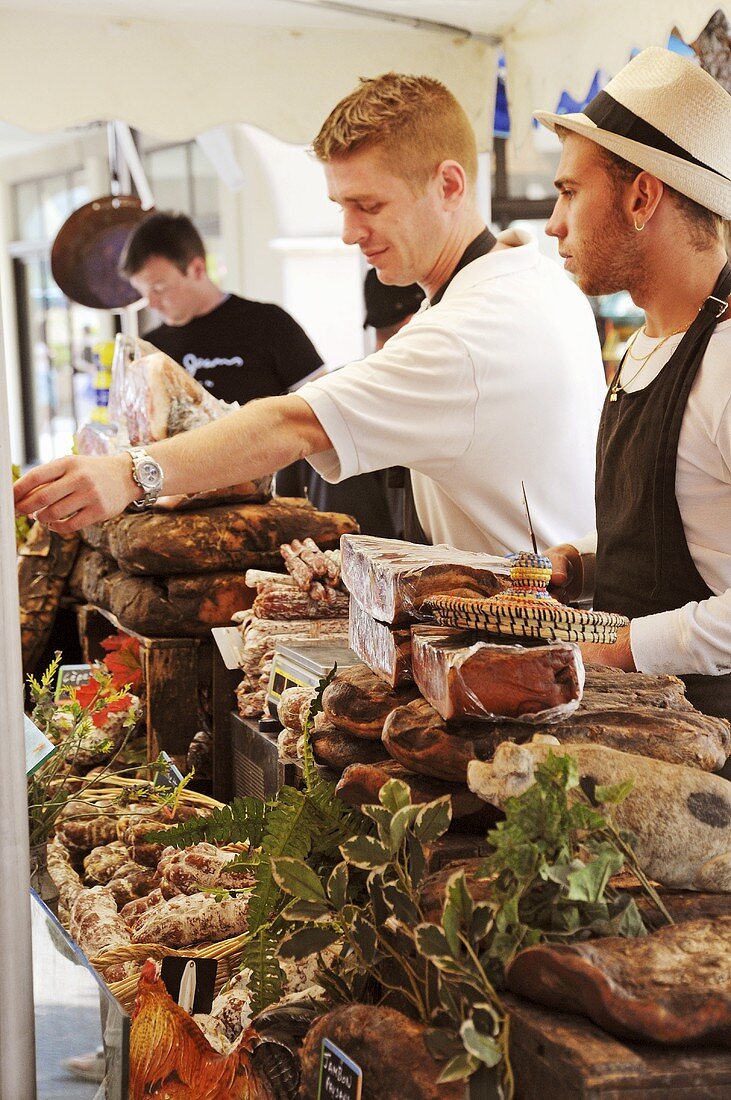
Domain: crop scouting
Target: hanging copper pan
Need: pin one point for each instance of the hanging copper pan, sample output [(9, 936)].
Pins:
[(87, 248)]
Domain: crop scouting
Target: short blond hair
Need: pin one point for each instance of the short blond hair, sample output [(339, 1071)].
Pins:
[(414, 120)]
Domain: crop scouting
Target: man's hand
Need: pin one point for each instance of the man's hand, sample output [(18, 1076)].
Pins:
[(618, 655), (72, 492), (567, 577)]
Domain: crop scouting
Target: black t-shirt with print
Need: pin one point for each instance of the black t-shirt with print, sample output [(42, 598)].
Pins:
[(241, 349)]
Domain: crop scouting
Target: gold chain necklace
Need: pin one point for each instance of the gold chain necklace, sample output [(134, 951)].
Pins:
[(617, 386)]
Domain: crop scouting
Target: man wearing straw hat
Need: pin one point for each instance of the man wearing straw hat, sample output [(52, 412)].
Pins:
[(644, 185), (495, 380)]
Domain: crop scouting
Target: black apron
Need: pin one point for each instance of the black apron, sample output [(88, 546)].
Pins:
[(643, 564), (400, 477)]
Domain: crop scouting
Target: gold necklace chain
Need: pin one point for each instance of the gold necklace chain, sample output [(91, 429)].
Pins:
[(617, 385)]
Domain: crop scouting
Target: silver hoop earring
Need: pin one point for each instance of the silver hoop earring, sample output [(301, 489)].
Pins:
[(639, 228)]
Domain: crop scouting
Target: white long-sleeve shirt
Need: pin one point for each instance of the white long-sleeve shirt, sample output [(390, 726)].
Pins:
[(695, 638)]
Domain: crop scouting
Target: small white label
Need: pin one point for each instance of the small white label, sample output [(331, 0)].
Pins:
[(230, 645)]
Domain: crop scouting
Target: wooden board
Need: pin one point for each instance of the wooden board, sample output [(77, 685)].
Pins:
[(555, 1054)]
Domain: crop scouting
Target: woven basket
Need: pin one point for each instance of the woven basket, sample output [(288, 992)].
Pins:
[(226, 952), (544, 619)]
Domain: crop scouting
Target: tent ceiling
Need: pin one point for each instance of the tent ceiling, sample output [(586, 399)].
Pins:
[(176, 67)]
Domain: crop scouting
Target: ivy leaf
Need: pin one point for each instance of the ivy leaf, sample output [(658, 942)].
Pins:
[(433, 819), (442, 1044), (365, 937), (394, 795), (296, 878), (479, 1045), (417, 861), (482, 921), (458, 910), (400, 904), (400, 822), (337, 885), (366, 852), (305, 911), (590, 881), (614, 793), (307, 941), (432, 942), (458, 1068)]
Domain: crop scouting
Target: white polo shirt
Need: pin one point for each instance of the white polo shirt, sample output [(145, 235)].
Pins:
[(500, 382)]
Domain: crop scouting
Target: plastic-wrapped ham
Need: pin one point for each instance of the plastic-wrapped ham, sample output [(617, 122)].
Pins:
[(464, 676), (157, 399), (385, 649), (391, 579)]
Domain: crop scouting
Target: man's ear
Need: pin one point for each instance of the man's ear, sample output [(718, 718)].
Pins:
[(196, 269), (645, 193), (453, 182)]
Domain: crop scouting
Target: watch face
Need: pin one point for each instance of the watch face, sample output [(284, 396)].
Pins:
[(149, 475)]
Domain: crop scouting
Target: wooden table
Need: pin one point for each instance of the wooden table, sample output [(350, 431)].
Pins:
[(559, 1056)]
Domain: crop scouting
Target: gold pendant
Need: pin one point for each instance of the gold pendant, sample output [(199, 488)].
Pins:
[(613, 395)]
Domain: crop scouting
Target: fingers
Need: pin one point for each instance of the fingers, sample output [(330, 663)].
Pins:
[(38, 479), (83, 518)]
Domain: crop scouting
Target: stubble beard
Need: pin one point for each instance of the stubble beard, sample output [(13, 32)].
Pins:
[(615, 260)]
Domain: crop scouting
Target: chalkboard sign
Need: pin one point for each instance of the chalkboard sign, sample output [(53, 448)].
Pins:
[(340, 1077), (71, 676), (166, 773)]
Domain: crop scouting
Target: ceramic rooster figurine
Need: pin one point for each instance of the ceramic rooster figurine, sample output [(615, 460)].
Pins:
[(170, 1058)]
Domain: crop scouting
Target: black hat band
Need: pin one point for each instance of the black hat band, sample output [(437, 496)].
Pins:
[(608, 114)]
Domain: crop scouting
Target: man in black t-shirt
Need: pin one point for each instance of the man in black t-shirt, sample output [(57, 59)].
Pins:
[(236, 348)]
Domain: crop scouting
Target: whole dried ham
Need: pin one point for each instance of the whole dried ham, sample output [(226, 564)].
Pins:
[(44, 562), (680, 816), (221, 539), (683, 736), (390, 1049), (200, 867), (391, 579), (464, 676), (673, 986), (338, 750), (360, 783), (359, 702), (191, 918), (634, 688), (417, 737)]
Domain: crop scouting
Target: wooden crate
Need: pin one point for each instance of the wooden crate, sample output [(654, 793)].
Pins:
[(181, 674), (559, 1055)]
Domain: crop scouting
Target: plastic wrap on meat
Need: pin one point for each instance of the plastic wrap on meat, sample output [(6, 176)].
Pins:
[(391, 579), (385, 649), (464, 676)]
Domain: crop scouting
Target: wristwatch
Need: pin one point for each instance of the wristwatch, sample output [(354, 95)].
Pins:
[(148, 475)]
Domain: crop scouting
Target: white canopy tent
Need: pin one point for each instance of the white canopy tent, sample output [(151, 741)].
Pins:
[(175, 68)]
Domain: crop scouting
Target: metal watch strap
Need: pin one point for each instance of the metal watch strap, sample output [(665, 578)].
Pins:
[(138, 455)]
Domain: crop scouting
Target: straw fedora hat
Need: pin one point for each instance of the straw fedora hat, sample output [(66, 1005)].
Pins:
[(669, 117)]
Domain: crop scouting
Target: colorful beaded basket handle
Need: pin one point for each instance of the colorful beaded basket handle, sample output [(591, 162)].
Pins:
[(526, 609)]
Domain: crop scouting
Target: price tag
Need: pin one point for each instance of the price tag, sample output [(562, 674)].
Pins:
[(166, 773), (71, 676), (230, 645), (37, 746), (340, 1077)]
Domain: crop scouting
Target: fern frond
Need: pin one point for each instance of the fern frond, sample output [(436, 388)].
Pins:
[(241, 822), (290, 824), (266, 983)]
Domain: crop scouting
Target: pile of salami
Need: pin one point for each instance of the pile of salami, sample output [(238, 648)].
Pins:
[(305, 604)]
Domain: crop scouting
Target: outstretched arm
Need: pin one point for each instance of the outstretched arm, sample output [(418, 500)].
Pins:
[(72, 492)]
